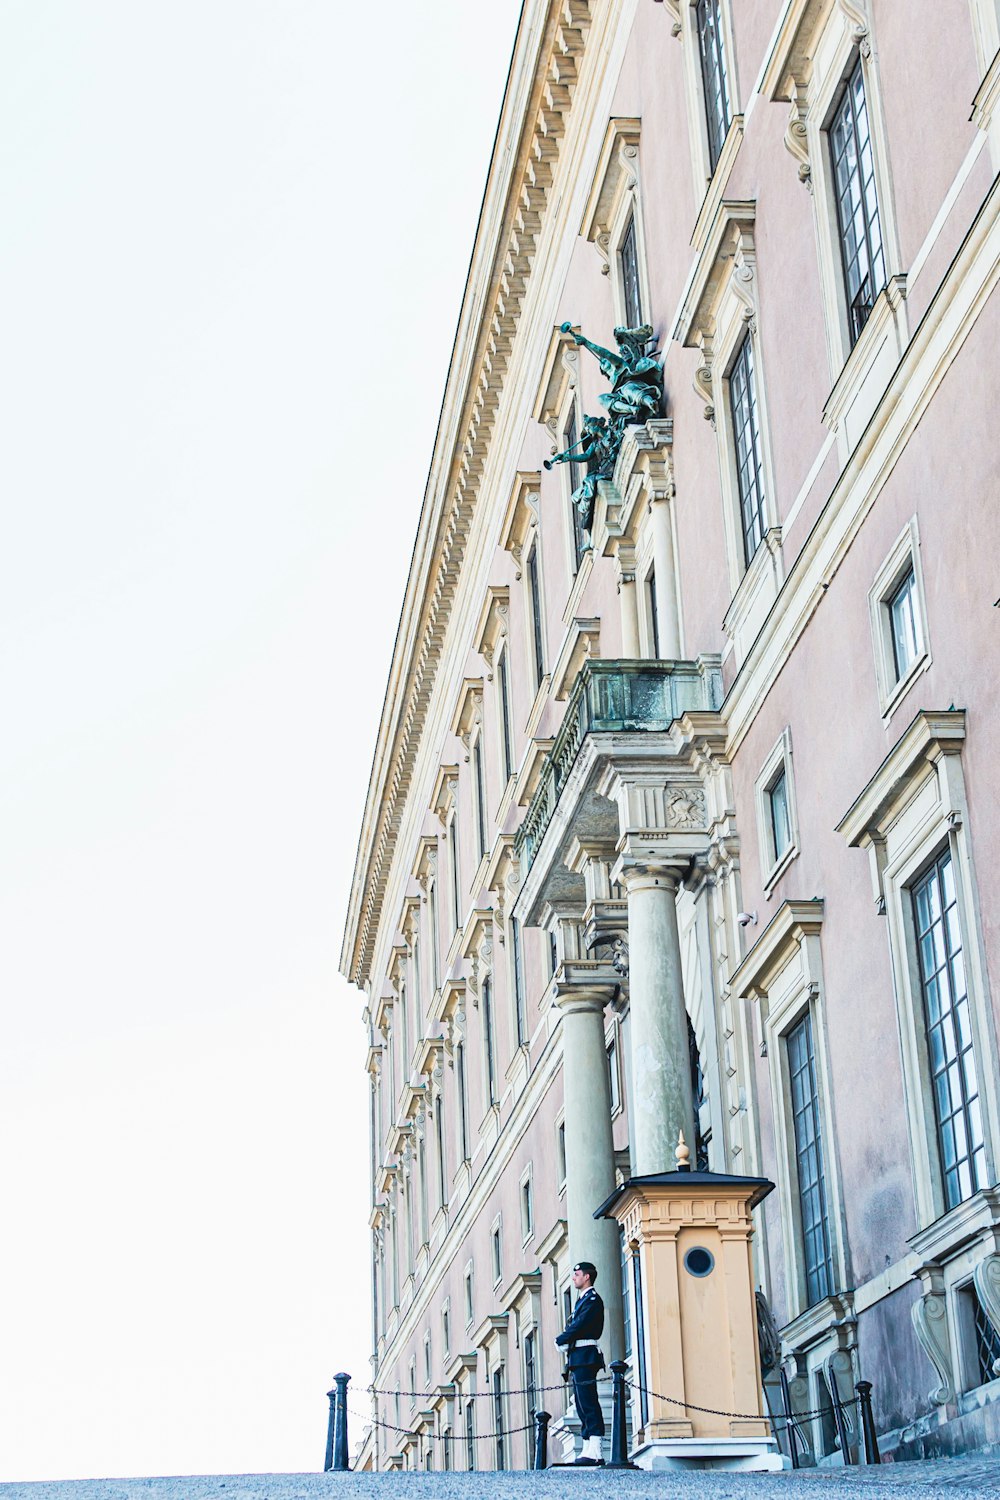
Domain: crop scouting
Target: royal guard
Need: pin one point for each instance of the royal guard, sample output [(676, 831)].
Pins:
[(581, 1340)]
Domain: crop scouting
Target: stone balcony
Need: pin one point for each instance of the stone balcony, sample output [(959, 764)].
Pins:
[(622, 700)]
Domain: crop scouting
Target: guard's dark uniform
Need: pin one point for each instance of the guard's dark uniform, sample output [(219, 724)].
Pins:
[(585, 1359)]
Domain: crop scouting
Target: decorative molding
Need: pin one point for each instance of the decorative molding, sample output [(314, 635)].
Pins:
[(560, 375), (617, 176), (468, 715), (493, 625), (547, 64), (581, 642), (929, 737), (728, 251), (986, 1279), (930, 1323), (788, 929), (520, 517)]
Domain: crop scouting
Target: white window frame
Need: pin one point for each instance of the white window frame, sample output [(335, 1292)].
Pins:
[(685, 27), (985, 31), (560, 1153), (783, 974), (616, 200), (809, 70), (496, 1251), (572, 408), (913, 806), (446, 1327), (527, 1219), (612, 1043), (772, 864), (469, 1292), (905, 553)]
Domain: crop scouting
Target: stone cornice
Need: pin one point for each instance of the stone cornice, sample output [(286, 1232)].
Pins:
[(930, 736), (544, 71)]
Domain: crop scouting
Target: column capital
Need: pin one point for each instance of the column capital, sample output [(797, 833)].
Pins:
[(642, 873), (584, 985)]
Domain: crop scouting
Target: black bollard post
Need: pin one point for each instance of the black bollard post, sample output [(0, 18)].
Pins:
[(619, 1431), (786, 1401), (542, 1420), (328, 1460), (864, 1390), (341, 1424)]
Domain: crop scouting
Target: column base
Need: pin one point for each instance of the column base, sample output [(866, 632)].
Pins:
[(745, 1454)]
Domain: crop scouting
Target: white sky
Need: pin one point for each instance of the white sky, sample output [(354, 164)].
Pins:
[(233, 240)]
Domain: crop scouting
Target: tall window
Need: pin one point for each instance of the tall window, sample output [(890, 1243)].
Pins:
[(506, 736), (902, 609), (809, 1161), (496, 1251), (489, 1039), (553, 954), (777, 802), (626, 1302), (498, 1422), (640, 1338), (442, 1162), (463, 1100), (536, 616), (614, 1081), (952, 1061), (577, 473), (477, 765), (453, 866), (857, 203), (746, 434), (517, 964), (404, 1017), (718, 113), (654, 624), (530, 1374), (629, 257), (432, 907), (470, 1434), (418, 1003)]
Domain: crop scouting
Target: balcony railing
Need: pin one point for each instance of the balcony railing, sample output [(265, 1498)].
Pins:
[(614, 696)]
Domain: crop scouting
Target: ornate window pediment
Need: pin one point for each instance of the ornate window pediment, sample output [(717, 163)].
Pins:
[(560, 374), (614, 185), (443, 795), (521, 516), (468, 713), (494, 621)]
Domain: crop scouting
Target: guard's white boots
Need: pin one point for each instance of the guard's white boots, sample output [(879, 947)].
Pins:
[(592, 1449)]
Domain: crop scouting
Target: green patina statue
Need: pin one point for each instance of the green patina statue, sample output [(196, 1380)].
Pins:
[(636, 378)]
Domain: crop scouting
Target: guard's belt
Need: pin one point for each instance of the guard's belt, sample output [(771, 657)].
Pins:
[(586, 1343)]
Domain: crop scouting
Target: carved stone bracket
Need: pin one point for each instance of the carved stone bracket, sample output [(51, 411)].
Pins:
[(930, 1323)]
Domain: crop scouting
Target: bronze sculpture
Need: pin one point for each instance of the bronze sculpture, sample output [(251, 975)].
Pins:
[(636, 377)]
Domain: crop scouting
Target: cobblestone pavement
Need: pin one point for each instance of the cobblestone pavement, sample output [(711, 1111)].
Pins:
[(953, 1478)]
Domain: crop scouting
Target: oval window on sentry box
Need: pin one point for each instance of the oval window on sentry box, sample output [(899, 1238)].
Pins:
[(699, 1261)]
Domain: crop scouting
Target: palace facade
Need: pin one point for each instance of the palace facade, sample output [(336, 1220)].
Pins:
[(683, 810)]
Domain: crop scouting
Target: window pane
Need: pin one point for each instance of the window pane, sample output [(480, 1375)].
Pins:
[(746, 432), (857, 203), (903, 624), (809, 1161), (781, 833), (630, 278), (950, 1053), (536, 615), (713, 76), (577, 474), (507, 742)]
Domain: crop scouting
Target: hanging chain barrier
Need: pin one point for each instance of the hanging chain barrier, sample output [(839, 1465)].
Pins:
[(336, 1451)]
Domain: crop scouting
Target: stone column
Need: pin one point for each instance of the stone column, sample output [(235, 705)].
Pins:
[(667, 612), (661, 1069), (590, 1158), (625, 558)]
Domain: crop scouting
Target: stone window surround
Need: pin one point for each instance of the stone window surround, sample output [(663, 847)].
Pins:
[(556, 398), (612, 1035), (772, 866), (521, 536), (615, 201), (684, 27), (956, 1254), (904, 553), (912, 808), (492, 638), (469, 1292), (783, 974), (720, 309), (496, 1251), (523, 1299), (467, 725), (814, 53), (527, 1228)]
